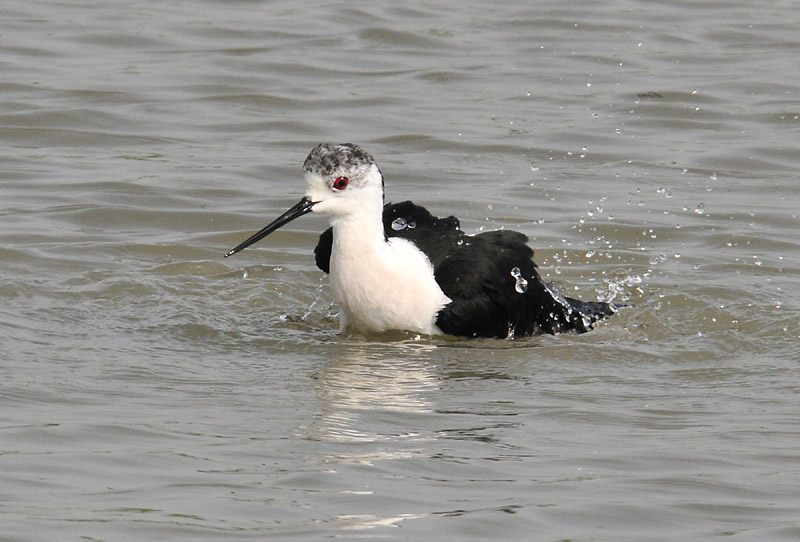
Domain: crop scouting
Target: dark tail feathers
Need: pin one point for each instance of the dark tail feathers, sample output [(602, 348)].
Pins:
[(592, 311)]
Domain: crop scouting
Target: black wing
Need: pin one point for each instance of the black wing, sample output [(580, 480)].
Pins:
[(497, 292), (436, 237)]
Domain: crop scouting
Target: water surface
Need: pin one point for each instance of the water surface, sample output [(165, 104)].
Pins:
[(151, 389)]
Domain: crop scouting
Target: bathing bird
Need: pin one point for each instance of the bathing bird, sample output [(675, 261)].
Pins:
[(395, 266)]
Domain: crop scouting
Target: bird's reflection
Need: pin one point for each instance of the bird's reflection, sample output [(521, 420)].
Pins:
[(383, 423), (366, 388)]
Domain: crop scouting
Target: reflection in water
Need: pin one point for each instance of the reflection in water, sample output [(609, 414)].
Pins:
[(362, 394), (374, 378), (357, 522)]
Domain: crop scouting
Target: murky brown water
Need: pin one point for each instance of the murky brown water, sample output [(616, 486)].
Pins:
[(150, 389)]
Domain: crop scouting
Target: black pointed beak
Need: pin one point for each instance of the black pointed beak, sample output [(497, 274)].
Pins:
[(299, 209)]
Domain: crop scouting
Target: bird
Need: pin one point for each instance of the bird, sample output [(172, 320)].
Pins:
[(395, 266)]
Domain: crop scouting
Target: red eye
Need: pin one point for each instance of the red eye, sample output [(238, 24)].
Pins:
[(341, 183)]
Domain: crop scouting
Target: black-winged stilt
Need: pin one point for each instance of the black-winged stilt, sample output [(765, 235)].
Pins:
[(397, 267)]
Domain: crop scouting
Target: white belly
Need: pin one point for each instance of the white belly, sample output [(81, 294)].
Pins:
[(389, 286)]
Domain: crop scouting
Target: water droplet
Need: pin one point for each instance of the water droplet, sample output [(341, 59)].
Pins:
[(522, 284), (511, 330), (556, 294), (399, 224), (590, 253), (700, 209), (412, 225)]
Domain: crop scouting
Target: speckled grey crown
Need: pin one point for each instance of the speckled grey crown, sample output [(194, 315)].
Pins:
[(327, 159)]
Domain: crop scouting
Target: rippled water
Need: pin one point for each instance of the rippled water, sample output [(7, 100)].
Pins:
[(150, 389)]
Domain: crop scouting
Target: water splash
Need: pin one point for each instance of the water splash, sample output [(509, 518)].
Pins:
[(313, 304), (620, 287), (522, 284), (553, 289), (511, 331)]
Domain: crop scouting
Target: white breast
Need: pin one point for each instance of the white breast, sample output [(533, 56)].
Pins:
[(384, 285)]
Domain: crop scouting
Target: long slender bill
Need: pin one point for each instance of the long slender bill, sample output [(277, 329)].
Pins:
[(299, 209)]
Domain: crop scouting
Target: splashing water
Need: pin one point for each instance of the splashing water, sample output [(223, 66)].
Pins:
[(553, 289), (619, 288), (313, 304), (511, 331)]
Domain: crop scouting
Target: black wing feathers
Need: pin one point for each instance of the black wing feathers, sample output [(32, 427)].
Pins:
[(322, 252), (434, 236), (497, 291)]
